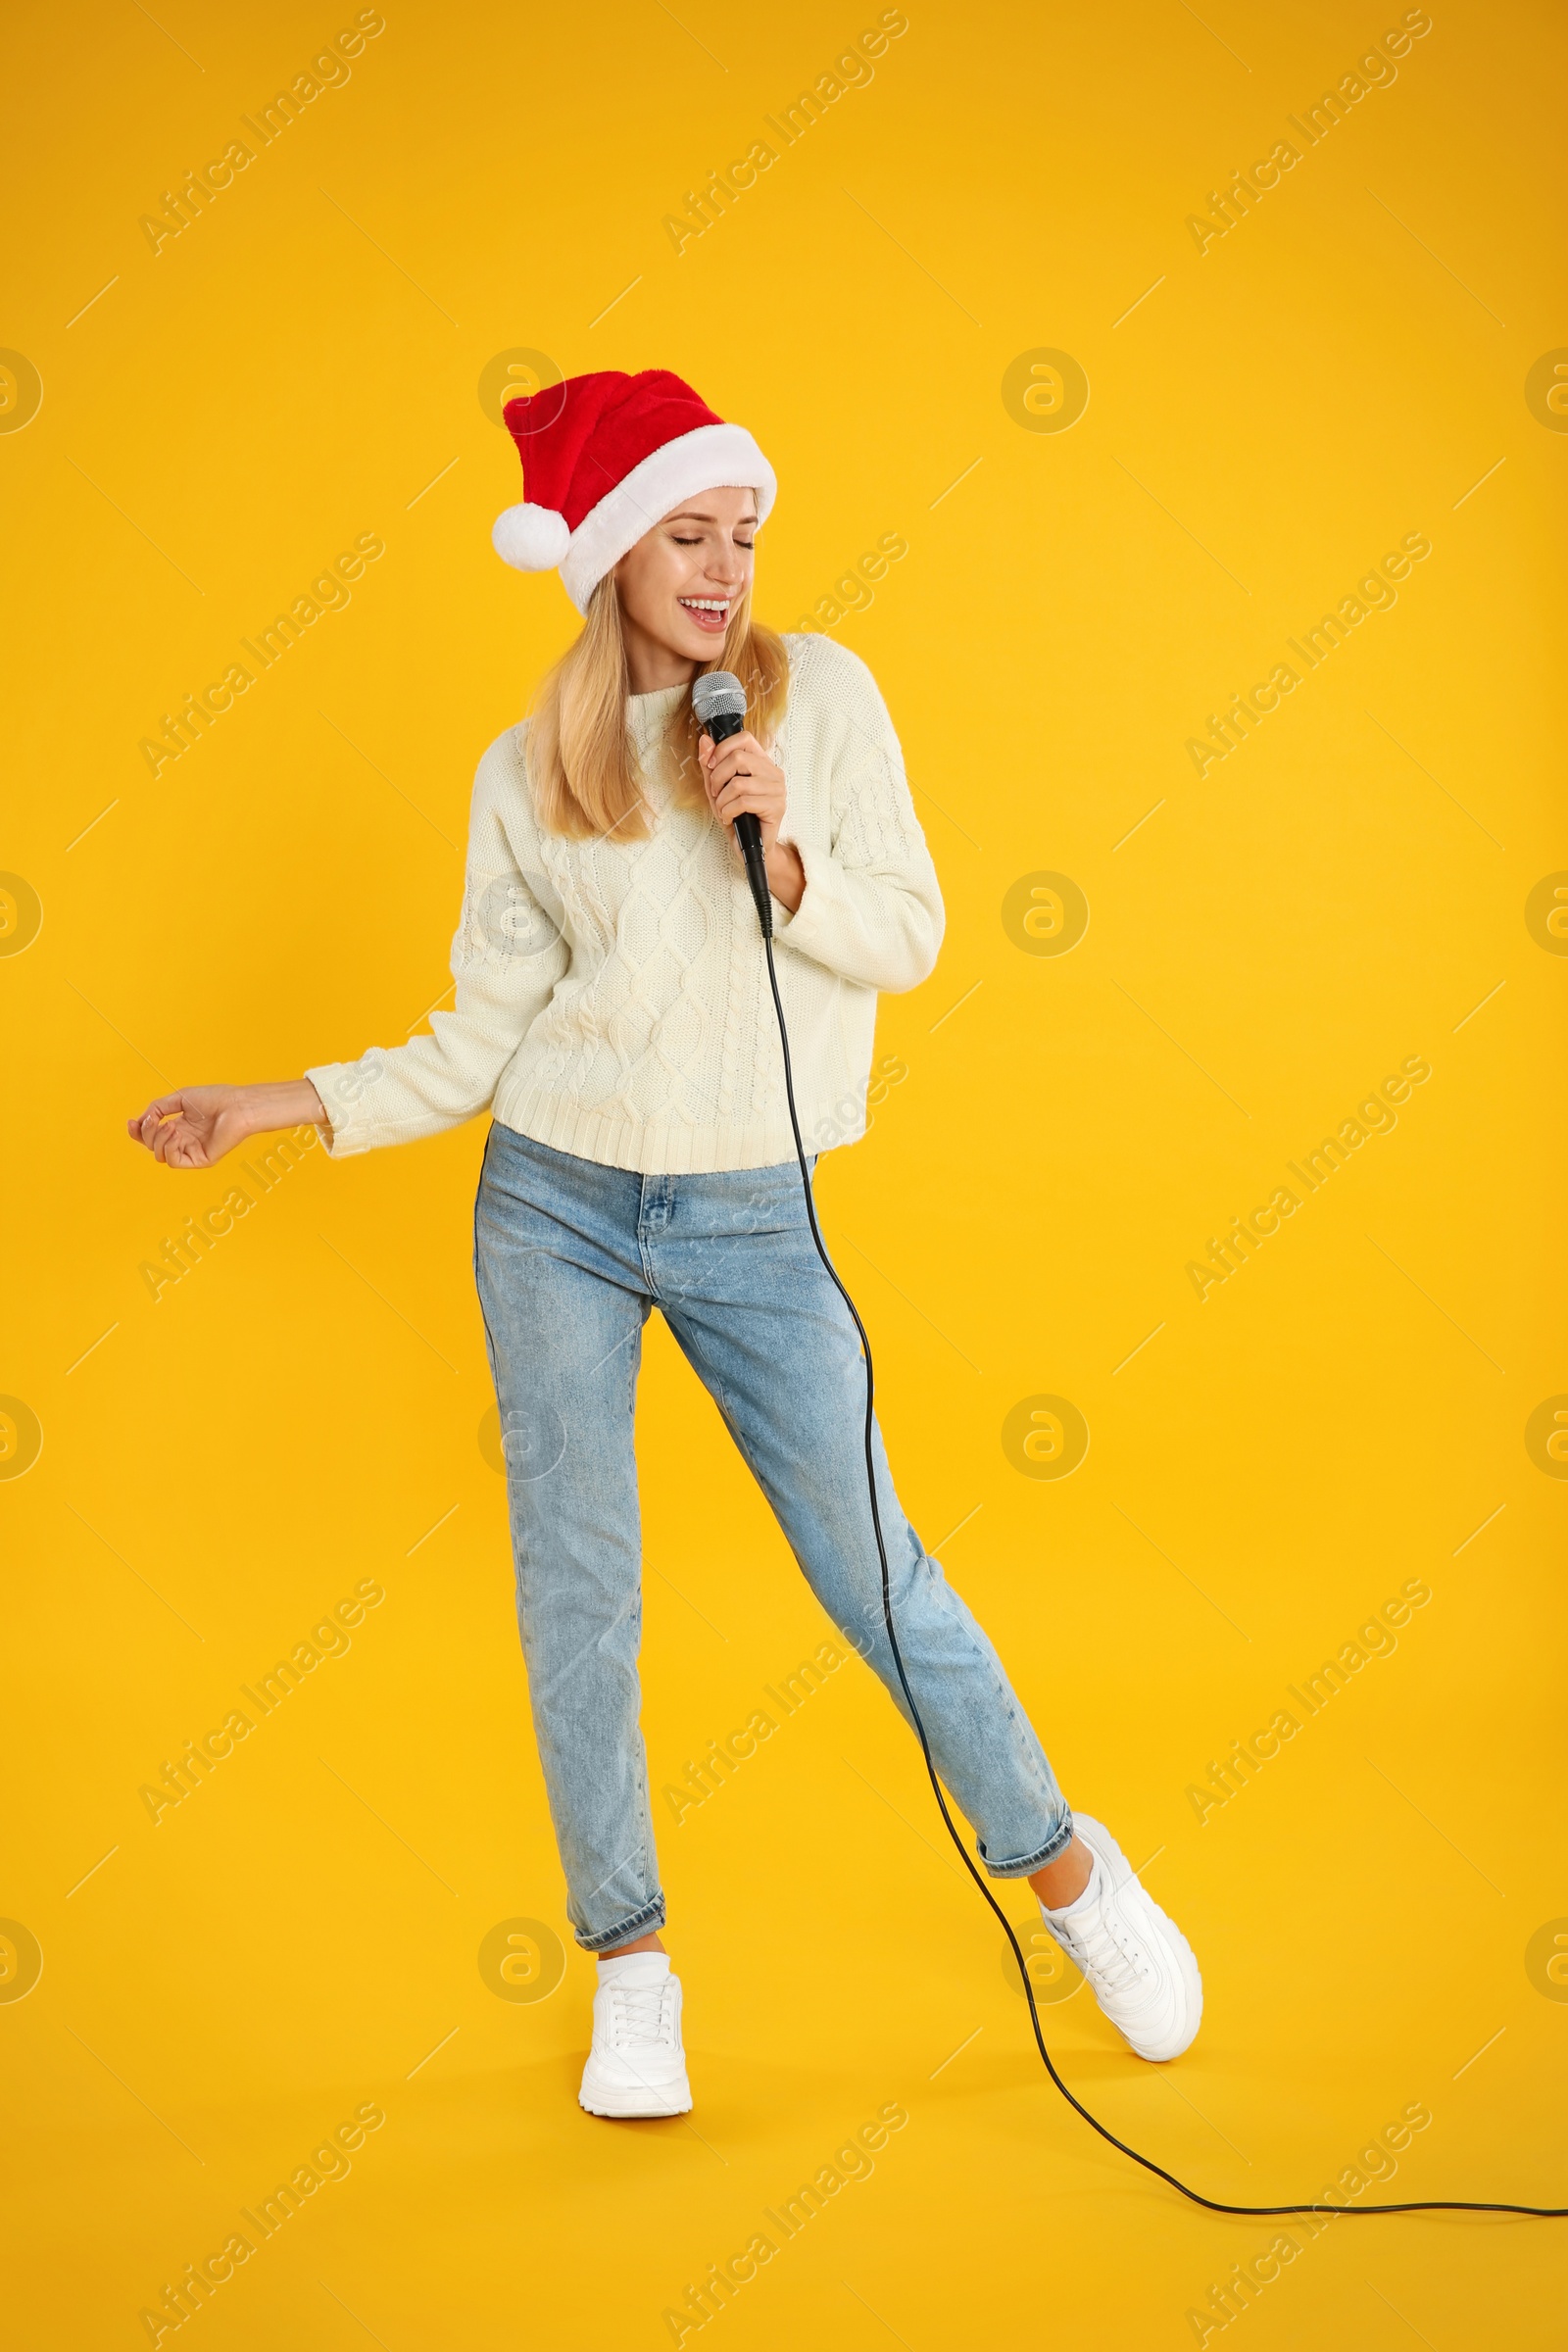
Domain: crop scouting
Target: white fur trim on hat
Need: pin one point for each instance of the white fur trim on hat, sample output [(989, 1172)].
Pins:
[(530, 538), (714, 457)]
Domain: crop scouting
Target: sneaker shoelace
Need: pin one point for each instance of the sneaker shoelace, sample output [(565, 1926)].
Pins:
[(642, 2013), (1110, 1953)]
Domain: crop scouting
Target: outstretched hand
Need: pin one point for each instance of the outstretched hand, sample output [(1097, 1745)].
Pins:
[(194, 1127)]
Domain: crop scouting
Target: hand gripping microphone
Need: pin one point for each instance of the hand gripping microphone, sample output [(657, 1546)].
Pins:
[(719, 702)]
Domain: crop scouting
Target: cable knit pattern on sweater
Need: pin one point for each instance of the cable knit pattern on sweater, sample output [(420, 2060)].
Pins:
[(611, 997)]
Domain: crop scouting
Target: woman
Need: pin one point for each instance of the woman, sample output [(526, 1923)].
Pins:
[(612, 1011)]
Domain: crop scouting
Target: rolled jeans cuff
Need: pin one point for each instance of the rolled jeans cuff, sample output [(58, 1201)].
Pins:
[(646, 1922), (1053, 1850)]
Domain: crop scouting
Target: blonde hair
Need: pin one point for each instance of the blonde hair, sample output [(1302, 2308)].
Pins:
[(581, 762)]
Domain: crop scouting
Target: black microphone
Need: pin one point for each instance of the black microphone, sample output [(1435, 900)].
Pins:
[(719, 702)]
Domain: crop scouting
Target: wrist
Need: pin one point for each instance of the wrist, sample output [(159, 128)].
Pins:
[(785, 875), (282, 1102)]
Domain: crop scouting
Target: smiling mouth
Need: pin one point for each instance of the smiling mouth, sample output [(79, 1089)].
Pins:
[(709, 612)]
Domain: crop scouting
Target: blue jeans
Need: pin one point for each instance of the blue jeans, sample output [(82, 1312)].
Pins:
[(569, 1257)]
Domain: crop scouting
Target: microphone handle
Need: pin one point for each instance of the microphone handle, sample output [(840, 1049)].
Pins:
[(749, 834)]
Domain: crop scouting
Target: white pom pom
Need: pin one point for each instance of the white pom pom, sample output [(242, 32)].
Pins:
[(531, 538)]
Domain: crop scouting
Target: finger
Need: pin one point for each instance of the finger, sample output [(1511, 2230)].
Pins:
[(747, 792), (186, 1152), (761, 793), (747, 757), (175, 1142), (705, 750), (142, 1123), (731, 765), (741, 804), (744, 747)]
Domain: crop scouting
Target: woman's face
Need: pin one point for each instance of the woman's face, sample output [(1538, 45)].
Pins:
[(684, 578)]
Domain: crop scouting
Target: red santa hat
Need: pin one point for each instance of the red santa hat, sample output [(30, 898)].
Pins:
[(603, 458)]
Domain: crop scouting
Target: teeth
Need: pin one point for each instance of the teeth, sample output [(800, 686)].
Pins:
[(705, 604)]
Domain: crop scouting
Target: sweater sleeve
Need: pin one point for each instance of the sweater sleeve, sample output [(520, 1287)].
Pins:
[(507, 958), (871, 911)]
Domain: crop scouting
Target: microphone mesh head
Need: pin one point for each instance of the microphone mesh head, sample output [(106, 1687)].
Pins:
[(719, 695)]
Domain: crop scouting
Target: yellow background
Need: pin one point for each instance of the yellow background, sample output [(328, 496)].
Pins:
[(219, 1468)]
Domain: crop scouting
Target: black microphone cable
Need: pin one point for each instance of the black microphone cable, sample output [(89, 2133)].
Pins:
[(748, 834)]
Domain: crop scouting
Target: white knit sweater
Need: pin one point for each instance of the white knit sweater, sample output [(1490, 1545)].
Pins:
[(611, 998)]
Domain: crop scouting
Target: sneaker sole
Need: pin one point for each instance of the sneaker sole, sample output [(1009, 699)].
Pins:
[(626, 2101), (1099, 1840)]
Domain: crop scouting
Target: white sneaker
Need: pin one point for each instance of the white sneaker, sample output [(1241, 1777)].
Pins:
[(637, 2065), (1139, 1964)]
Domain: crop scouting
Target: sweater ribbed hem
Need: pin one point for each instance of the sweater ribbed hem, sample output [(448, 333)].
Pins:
[(652, 1147)]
